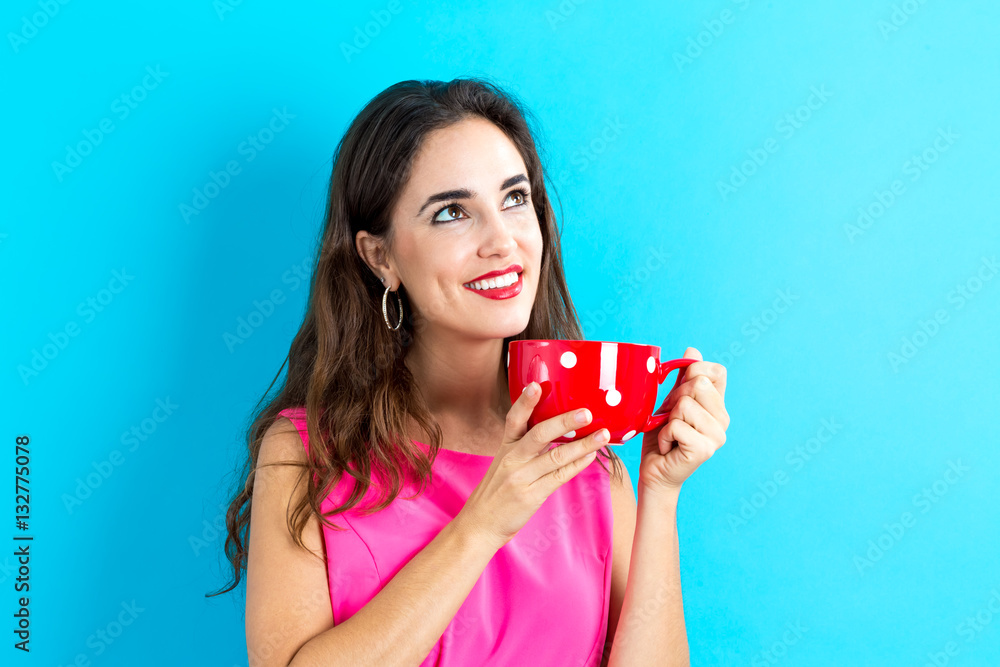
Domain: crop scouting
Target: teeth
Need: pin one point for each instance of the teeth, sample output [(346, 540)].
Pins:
[(494, 283)]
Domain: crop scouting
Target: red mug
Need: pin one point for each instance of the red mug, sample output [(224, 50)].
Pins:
[(617, 382)]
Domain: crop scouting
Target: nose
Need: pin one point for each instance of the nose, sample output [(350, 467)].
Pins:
[(498, 236)]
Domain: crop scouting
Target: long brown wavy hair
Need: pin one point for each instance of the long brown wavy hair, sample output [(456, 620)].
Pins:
[(345, 366)]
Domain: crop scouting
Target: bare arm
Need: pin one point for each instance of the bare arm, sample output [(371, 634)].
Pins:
[(289, 616), (401, 624), (651, 629)]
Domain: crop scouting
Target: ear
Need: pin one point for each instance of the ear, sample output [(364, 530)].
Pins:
[(372, 252)]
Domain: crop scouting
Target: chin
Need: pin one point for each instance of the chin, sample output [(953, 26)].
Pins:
[(508, 328)]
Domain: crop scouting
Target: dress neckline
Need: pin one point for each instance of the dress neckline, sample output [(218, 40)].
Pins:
[(480, 457)]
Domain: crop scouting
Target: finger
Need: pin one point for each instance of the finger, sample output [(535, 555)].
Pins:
[(562, 455), (690, 353), (694, 413), (693, 353), (693, 447), (516, 424), (713, 371), (706, 393), (683, 374), (687, 408), (543, 433), (548, 483)]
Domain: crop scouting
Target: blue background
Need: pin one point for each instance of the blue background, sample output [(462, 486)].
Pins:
[(785, 560)]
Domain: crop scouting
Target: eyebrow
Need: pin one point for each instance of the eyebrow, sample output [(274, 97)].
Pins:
[(465, 193)]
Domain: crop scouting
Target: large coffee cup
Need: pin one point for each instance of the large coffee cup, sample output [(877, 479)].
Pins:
[(617, 382)]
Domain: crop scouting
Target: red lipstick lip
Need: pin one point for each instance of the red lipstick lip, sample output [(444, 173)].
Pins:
[(494, 274)]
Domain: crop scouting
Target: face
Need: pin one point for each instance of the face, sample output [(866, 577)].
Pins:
[(465, 212)]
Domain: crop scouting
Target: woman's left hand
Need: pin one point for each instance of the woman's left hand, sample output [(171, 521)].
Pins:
[(695, 429)]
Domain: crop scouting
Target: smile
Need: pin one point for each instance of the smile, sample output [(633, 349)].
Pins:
[(493, 283), (501, 287)]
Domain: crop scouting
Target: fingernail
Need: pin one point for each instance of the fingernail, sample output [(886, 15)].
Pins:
[(531, 389), (602, 435), (582, 416)]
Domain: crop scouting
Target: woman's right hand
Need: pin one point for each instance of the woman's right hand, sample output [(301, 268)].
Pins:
[(523, 474)]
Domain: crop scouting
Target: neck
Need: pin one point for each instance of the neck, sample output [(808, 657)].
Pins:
[(460, 379)]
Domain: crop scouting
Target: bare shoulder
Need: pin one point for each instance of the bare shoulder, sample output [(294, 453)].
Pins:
[(281, 443), (288, 596), (622, 490)]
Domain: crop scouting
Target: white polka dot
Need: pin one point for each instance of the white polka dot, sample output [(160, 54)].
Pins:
[(571, 434), (650, 364), (568, 360), (613, 397), (628, 436), (508, 357)]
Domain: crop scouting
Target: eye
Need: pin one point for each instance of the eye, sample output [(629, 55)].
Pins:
[(521, 198), (449, 207)]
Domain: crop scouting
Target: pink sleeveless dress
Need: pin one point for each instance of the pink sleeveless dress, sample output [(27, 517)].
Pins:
[(543, 598)]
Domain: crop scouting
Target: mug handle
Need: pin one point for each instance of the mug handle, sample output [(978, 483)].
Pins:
[(663, 368)]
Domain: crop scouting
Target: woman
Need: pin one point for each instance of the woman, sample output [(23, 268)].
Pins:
[(404, 545)]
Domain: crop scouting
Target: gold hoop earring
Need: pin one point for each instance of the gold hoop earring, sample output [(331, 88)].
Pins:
[(385, 312)]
